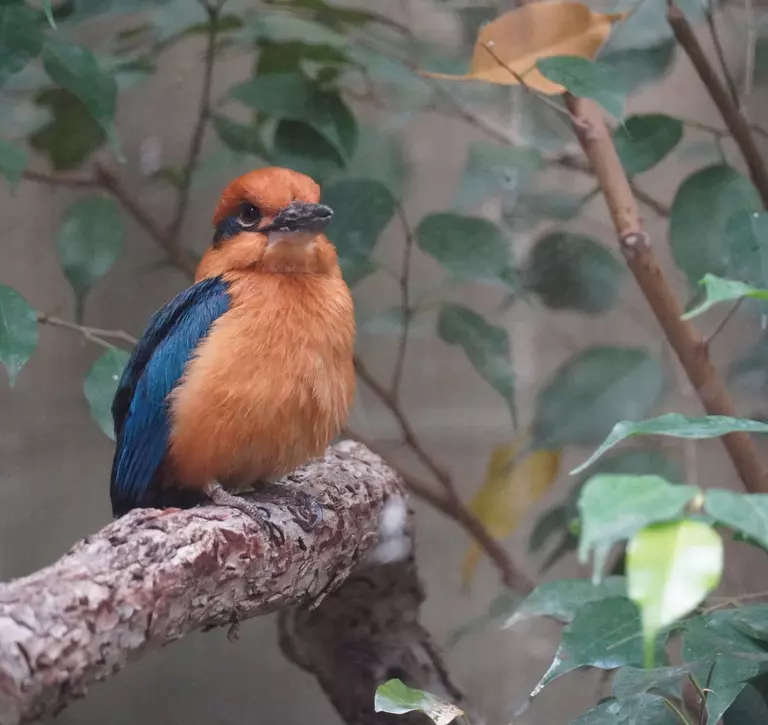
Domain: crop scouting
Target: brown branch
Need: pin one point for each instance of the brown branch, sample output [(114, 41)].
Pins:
[(364, 634), (734, 120), (203, 114), (96, 335), (720, 52), (595, 139), (155, 576)]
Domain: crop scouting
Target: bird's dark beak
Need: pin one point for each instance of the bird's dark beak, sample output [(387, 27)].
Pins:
[(300, 217)]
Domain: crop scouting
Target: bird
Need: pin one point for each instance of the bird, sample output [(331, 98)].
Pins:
[(248, 373)]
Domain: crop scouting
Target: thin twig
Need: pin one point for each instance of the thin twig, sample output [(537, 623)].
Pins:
[(635, 246), (75, 180), (749, 59), (726, 319), (405, 303), (734, 120), (710, 17), (203, 114), (97, 335)]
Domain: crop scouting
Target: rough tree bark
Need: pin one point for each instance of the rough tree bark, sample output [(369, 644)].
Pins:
[(155, 576)]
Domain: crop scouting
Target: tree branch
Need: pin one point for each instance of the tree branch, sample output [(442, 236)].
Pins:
[(590, 128), (734, 120), (154, 576)]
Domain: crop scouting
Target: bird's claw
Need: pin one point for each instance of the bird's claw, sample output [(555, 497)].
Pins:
[(307, 511), (220, 497)]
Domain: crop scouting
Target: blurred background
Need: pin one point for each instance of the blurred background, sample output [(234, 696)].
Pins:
[(524, 329)]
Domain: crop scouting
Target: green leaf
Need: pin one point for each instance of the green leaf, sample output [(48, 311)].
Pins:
[(643, 709), (563, 598), (394, 697), (466, 246), (492, 170), (699, 241), (100, 385), (48, 10), (71, 135), (737, 658), (362, 208), (671, 567), (486, 346), (643, 141), (524, 212), (21, 39), (299, 147), (586, 79), (747, 514), (591, 391), (724, 290), (570, 271), (297, 98), (746, 241), (13, 161), (18, 331), (631, 681), (676, 426), (752, 620), (613, 507), (89, 242), (634, 67), (239, 137), (74, 68), (750, 705), (604, 634)]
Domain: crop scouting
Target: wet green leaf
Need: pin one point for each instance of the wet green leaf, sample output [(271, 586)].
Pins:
[(570, 271), (100, 385), (394, 697), (643, 709), (614, 507), (676, 426), (671, 567), (486, 346), (18, 331), (643, 141), (89, 242), (591, 391), (631, 680)]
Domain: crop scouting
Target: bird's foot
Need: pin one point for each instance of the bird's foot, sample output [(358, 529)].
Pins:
[(305, 509), (221, 497)]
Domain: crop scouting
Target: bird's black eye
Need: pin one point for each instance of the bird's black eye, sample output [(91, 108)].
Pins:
[(249, 215)]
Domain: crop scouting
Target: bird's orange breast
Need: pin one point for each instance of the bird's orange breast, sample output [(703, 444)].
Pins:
[(270, 386)]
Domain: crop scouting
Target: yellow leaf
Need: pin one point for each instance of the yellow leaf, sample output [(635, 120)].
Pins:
[(508, 492), (519, 38)]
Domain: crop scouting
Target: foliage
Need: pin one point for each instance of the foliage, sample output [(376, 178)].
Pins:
[(313, 64)]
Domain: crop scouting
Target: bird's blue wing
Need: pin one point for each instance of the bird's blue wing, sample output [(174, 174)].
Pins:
[(140, 408)]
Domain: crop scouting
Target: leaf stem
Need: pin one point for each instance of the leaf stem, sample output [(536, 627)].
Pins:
[(97, 335), (405, 302)]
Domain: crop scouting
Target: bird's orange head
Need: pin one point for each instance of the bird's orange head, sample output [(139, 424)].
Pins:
[(270, 220)]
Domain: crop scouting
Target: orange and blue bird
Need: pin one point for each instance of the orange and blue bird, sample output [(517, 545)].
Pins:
[(248, 373)]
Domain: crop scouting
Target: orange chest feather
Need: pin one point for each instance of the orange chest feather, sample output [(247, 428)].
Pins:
[(270, 386)]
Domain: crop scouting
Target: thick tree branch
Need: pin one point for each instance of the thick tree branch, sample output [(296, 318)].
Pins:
[(685, 340), (737, 124), (154, 576)]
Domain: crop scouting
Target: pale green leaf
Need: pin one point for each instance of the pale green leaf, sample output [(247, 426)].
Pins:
[(586, 79), (486, 346), (613, 507), (394, 697), (699, 241), (100, 385), (724, 290), (89, 242), (671, 567), (676, 426), (18, 331), (744, 513), (591, 391), (466, 246)]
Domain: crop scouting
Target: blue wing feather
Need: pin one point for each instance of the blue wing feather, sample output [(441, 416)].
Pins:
[(140, 408)]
